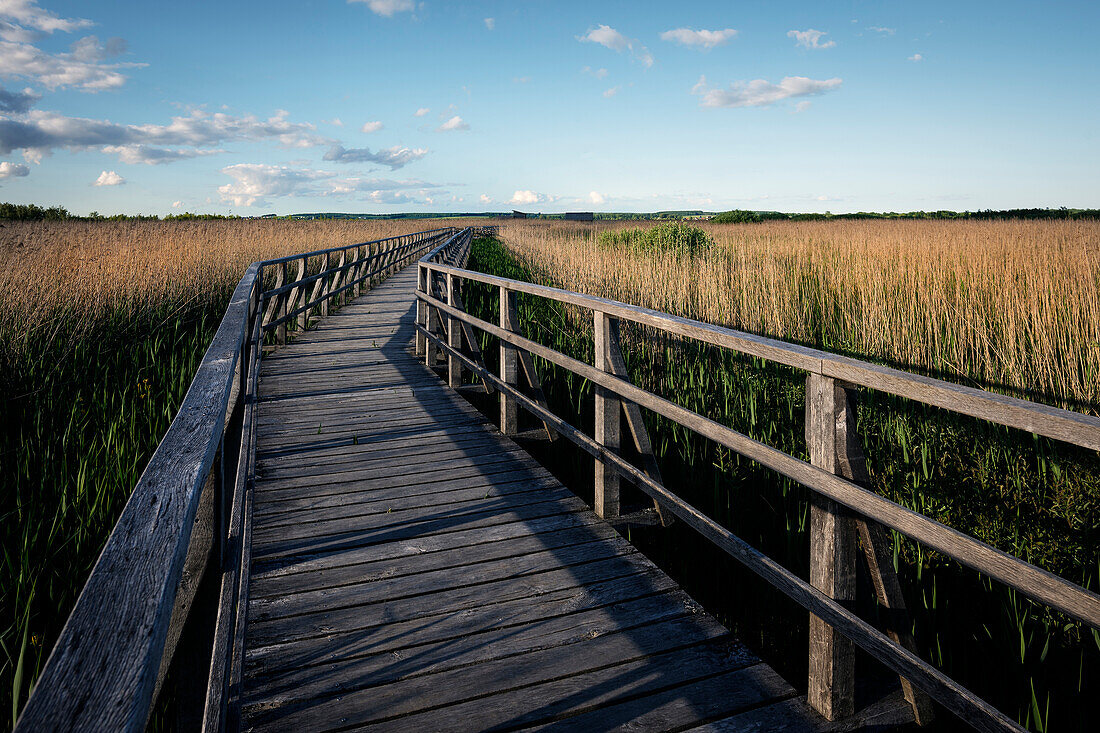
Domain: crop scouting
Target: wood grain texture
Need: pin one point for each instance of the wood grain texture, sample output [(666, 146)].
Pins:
[(407, 558)]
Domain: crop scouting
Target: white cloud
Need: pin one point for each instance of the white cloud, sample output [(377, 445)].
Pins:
[(760, 93), (880, 29), (27, 14), (395, 157), (597, 198), (485, 199), (810, 39), (254, 183), (421, 112), (17, 102), (521, 79), (40, 132), (109, 178), (608, 93), (335, 121), (802, 106), (387, 8), (597, 73), (916, 57), (610, 38), (529, 197), (83, 68), (703, 38), (371, 126), (490, 23), (177, 204), (455, 123), (13, 170)]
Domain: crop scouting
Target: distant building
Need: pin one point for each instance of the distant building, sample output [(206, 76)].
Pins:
[(518, 214), (579, 216)]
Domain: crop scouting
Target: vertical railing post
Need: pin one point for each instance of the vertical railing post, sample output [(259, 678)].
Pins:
[(831, 687), (454, 335), (282, 310), (606, 498), (509, 363), (421, 309)]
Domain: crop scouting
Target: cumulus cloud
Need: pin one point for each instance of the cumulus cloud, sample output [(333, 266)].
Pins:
[(421, 112), (38, 133), (490, 23), (177, 204), (760, 92), (335, 121), (608, 93), (916, 57), (455, 123), (880, 29), (13, 170), (27, 14), (485, 199), (608, 37), (702, 38), (395, 157), (529, 197), (371, 126), (597, 73), (17, 102), (595, 197), (802, 106), (388, 8), (254, 183), (109, 178), (810, 39), (82, 69)]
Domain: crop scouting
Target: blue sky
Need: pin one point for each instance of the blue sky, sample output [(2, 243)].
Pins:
[(402, 105)]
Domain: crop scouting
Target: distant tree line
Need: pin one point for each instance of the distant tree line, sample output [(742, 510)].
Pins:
[(739, 216), (33, 212)]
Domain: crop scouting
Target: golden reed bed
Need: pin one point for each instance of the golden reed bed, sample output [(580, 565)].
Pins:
[(1012, 303), (90, 269)]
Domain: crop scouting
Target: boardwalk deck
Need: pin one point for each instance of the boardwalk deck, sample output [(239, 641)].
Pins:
[(413, 569)]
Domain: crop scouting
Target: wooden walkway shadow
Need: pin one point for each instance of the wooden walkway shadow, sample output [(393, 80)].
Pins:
[(413, 569)]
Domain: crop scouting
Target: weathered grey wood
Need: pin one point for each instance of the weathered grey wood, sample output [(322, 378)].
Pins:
[(121, 619), (454, 336), (953, 696), (606, 498), (633, 417), (831, 686), (421, 312), (360, 706), (1033, 581), (509, 415), (280, 332)]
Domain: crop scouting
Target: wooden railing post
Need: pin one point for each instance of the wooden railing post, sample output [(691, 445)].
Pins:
[(831, 686), (509, 361), (421, 309), (454, 335), (606, 499), (283, 309)]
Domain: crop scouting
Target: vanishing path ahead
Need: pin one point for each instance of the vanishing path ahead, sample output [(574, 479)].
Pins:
[(413, 569)]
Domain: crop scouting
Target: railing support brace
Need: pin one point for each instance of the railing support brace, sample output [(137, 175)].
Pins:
[(509, 361), (421, 309), (608, 429), (831, 687), (454, 335)]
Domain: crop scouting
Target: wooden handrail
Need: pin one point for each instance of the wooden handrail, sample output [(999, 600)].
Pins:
[(191, 507), (822, 476)]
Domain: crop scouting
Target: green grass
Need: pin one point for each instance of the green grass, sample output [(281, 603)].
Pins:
[(680, 240), (1029, 496), (84, 406)]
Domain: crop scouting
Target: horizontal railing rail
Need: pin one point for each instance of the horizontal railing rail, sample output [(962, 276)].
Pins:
[(189, 515), (829, 474)]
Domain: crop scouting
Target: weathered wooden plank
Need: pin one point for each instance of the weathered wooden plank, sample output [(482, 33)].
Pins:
[(318, 672), (453, 523), (450, 554), (286, 628), (358, 704), (787, 716)]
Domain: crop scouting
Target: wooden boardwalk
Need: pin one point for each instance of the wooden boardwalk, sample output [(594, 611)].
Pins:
[(413, 569)]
